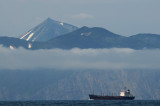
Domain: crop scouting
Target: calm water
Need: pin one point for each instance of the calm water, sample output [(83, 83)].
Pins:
[(81, 103)]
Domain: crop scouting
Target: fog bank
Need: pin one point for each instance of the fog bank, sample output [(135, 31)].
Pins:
[(103, 59)]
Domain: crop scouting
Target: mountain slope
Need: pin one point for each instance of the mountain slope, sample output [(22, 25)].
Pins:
[(84, 38), (48, 30), (76, 85), (13, 42), (145, 40)]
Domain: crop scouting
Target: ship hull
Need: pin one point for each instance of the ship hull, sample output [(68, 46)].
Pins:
[(97, 97)]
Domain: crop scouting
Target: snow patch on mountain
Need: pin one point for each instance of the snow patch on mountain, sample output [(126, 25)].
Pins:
[(29, 36), (11, 47), (62, 23), (35, 38), (47, 30), (86, 34), (25, 35), (29, 45)]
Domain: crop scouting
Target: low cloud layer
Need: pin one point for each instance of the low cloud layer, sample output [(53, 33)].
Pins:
[(77, 59)]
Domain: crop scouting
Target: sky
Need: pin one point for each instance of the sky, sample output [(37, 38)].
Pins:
[(124, 17), (79, 59)]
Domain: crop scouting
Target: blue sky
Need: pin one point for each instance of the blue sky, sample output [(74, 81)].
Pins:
[(125, 17)]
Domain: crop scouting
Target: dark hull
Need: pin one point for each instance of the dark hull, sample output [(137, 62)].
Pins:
[(97, 97)]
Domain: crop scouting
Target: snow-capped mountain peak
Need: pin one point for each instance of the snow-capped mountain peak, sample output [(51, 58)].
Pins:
[(47, 30)]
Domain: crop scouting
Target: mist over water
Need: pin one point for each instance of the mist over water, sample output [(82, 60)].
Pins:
[(115, 58), (58, 74)]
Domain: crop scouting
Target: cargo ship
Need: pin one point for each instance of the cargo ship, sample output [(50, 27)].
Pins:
[(124, 95)]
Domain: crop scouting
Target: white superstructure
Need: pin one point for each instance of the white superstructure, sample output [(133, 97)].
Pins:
[(126, 93)]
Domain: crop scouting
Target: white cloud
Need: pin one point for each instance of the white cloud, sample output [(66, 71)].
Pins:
[(100, 59), (82, 16)]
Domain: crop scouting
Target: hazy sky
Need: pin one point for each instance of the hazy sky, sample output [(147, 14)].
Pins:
[(80, 59), (125, 17)]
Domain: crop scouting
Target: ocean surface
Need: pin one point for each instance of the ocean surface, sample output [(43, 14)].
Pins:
[(81, 103)]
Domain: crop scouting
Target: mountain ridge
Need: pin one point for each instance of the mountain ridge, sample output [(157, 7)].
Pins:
[(68, 36), (97, 37)]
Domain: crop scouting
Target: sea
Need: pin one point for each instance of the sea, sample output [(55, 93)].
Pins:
[(82, 103)]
